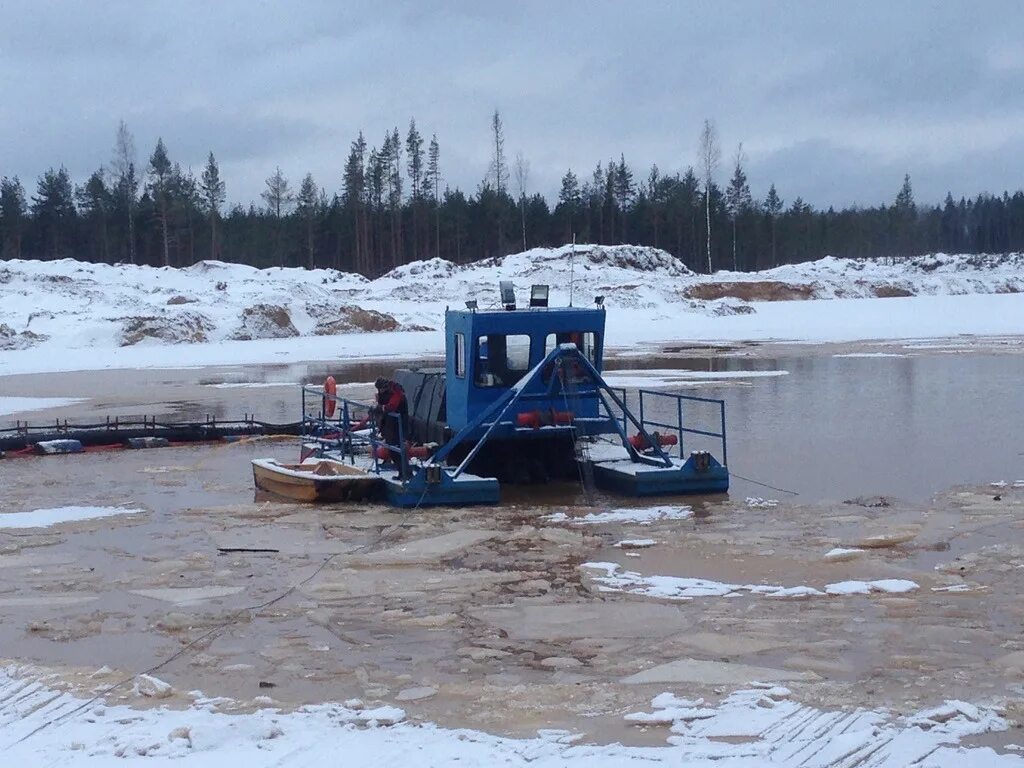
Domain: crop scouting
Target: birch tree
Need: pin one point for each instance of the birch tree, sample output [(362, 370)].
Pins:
[(709, 154), (126, 182)]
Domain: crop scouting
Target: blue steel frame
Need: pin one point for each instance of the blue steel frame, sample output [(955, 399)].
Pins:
[(347, 440), (491, 417)]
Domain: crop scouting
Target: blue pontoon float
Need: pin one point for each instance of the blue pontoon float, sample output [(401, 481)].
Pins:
[(521, 399)]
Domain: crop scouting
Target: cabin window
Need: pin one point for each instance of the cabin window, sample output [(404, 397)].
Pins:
[(460, 356), (585, 341), (501, 360)]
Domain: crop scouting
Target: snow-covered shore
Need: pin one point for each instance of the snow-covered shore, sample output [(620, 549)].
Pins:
[(69, 315), (757, 726)]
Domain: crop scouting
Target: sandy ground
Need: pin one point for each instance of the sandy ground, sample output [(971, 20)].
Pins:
[(485, 617)]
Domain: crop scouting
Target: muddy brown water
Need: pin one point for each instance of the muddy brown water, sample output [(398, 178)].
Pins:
[(833, 428), (470, 601)]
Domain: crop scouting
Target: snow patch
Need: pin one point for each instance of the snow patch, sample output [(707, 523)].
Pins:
[(889, 586), (10, 405), (44, 518), (614, 579), (639, 515)]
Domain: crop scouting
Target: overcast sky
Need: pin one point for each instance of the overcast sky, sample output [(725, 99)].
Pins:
[(833, 101)]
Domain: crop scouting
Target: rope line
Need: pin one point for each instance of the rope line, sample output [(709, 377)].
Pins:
[(253, 610), (764, 485)]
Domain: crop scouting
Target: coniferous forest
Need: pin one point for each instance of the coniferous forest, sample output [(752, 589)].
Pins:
[(388, 204)]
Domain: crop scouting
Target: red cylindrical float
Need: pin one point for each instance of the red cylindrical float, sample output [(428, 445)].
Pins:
[(562, 417), (330, 392), (417, 452), (530, 419)]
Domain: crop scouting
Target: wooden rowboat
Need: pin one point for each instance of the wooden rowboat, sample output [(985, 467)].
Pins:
[(324, 480)]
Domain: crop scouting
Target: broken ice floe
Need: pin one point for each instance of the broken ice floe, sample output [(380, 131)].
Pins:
[(615, 579), (842, 554), (763, 726), (635, 543), (758, 502), (43, 518), (891, 586), (639, 515)]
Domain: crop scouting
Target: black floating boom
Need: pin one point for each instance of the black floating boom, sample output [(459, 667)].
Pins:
[(23, 436)]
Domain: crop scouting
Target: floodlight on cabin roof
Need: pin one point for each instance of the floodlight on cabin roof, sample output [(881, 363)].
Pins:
[(508, 294), (471, 304), (599, 301), (539, 295)]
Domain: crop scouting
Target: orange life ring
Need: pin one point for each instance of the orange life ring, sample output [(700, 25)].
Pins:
[(330, 392)]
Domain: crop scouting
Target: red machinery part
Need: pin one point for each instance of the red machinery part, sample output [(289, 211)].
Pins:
[(529, 419), (562, 417), (538, 419), (640, 443)]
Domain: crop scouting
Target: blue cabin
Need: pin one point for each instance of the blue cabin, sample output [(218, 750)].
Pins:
[(490, 351), (487, 352)]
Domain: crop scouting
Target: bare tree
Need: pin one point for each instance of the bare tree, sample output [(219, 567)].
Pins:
[(278, 197), (122, 168), (522, 174), (709, 154)]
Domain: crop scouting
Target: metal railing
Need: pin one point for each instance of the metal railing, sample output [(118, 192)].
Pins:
[(342, 432), (679, 427)]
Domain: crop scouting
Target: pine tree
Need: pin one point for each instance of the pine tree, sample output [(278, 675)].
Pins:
[(623, 190), (95, 202), (355, 199), (595, 201), (569, 201), (494, 191), (414, 166), (53, 207), (375, 174), (434, 181), (185, 205), (905, 215), (278, 197), (308, 206), (213, 195), (391, 155), (498, 172), (737, 198), (773, 207), (13, 216), (159, 187)]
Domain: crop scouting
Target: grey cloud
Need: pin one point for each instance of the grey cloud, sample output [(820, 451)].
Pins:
[(801, 84)]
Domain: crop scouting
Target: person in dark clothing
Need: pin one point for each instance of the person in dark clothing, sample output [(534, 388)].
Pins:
[(391, 402)]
